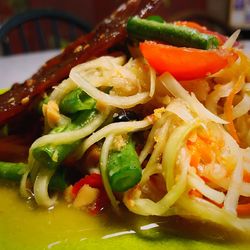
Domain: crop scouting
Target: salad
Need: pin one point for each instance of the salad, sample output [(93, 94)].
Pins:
[(140, 113)]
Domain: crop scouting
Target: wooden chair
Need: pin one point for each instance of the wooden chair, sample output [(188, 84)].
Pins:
[(40, 29)]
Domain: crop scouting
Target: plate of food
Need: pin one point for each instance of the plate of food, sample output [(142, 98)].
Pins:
[(136, 135)]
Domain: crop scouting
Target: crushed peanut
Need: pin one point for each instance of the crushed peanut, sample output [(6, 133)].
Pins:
[(158, 112), (102, 36), (101, 106), (12, 99), (51, 112), (25, 100), (86, 196), (78, 49), (119, 142), (86, 46), (29, 82)]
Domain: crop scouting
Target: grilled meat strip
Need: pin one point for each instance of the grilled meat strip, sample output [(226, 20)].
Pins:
[(110, 32)]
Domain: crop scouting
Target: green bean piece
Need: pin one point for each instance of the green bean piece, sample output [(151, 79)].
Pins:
[(13, 171), (181, 36), (158, 19), (52, 155), (123, 167), (58, 180), (76, 100), (80, 119)]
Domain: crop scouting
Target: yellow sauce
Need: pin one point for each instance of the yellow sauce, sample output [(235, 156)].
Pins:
[(61, 224), (22, 226)]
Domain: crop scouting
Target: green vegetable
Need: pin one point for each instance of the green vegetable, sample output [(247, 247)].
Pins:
[(2, 91), (76, 100), (58, 180), (123, 167), (53, 155), (158, 19), (170, 33), (14, 171), (45, 100)]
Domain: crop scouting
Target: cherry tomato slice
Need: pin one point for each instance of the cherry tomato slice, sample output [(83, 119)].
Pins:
[(185, 63)]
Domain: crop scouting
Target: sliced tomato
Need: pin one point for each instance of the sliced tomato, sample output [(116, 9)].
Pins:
[(185, 63), (222, 39)]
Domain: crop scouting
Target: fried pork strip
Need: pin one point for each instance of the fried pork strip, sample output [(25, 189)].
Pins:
[(110, 32)]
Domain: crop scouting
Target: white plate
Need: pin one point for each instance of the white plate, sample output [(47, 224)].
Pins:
[(17, 68)]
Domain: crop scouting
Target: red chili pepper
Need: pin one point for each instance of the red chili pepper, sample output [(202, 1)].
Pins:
[(101, 202), (186, 63), (93, 180)]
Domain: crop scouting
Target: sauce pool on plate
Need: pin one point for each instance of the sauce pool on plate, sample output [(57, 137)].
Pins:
[(25, 227)]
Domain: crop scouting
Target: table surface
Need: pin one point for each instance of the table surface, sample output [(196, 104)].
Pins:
[(17, 68)]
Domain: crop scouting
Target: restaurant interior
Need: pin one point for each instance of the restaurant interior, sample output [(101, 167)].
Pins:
[(223, 16)]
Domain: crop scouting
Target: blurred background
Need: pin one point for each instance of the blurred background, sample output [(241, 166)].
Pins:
[(220, 15), (227, 12), (24, 28)]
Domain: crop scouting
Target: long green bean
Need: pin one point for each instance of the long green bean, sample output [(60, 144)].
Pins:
[(13, 171), (124, 169), (76, 100), (170, 33), (52, 155)]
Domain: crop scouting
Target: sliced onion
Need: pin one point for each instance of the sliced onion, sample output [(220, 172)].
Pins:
[(41, 188), (70, 136), (103, 167), (242, 107), (175, 88), (178, 107), (114, 128), (218, 92), (231, 40), (152, 81), (197, 183), (62, 89), (233, 192)]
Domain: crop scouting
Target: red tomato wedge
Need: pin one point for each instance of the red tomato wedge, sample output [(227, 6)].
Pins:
[(185, 63)]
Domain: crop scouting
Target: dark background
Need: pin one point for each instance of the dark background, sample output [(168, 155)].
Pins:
[(95, 10), (215, 14)]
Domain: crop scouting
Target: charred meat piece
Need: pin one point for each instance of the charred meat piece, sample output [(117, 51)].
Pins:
[(110, 32)]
